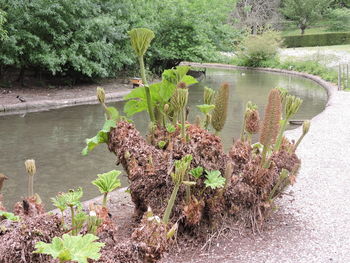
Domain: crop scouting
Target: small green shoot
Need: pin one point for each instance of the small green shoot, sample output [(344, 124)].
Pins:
[(170, 128), (161, 144), (71, 248), (197, 172), (206, 108), (106, 183), (9, 216), (214, 179)]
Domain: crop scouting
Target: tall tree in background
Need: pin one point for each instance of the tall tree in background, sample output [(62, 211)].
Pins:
[(257, 15), (304, 12), (2, 22)]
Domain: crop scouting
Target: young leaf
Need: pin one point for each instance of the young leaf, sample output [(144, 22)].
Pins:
[(9, 216), (214, 179), (101, 136), (113, 114), (197, 172), (161, 144), (72, 197), (59, 202), (170, 128), (75, 248), (107, 182), (205, 108)]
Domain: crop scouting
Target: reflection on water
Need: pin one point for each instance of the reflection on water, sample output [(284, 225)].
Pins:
[(55, 138)]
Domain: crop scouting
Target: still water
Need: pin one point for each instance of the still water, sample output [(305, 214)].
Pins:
[(55, 138)]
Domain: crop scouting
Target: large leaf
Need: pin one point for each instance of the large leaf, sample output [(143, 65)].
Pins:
[(137, 93), (102, 135), (141, 39), (107, 182), (134, 106), (75, 248)]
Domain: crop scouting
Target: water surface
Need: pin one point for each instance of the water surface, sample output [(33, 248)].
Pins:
[(55, 138)]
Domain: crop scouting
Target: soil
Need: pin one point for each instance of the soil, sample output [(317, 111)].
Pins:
[(32, 93)]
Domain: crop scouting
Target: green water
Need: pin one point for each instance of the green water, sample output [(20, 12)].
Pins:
[(55, 138)]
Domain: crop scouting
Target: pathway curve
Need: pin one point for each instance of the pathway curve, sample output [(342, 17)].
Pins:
[(317, 213)]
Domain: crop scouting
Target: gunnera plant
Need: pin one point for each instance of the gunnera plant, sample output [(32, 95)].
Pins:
[(31, 170), (219, 114)]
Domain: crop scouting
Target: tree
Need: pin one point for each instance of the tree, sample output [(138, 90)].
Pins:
[(2, 22), (257, 15), (304, 12)]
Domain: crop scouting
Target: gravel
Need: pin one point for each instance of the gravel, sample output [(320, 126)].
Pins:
[(329, 58)]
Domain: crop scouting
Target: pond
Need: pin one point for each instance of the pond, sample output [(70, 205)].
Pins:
[(55, 138)]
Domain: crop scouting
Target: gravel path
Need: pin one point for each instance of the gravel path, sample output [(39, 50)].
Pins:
[(328, 57)]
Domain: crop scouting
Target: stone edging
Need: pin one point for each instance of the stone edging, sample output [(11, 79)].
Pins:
[(40, 105), (328, 86)]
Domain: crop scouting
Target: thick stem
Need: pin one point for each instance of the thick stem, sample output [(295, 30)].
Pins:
[(104, 202), (264, 153), (183, 118), (280, 135), (171, 203), (73, 223), (207, 121), (299, 141), (148, 93)]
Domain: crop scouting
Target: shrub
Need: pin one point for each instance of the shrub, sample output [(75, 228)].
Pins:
[(255, 49), (327, 39), (64, 37)]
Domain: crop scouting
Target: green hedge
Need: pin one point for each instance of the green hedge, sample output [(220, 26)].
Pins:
[(326, 39)]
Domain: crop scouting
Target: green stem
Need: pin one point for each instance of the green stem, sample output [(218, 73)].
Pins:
[(299, 141), (281, 179), (148, 93), (183, 129), (73, 223), (171, 203), (207, 121), (30, 185), (280, 135), (264, 153), (104, 202)]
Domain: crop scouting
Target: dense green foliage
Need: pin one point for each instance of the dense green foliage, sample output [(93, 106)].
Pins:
[(257, 48), (326, 39), (88, 38)]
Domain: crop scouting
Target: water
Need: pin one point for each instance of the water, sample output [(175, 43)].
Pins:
[(55, 138)]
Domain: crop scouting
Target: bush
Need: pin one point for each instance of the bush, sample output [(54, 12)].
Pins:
[(88, 38), (339, 19), (64, 37), (255, 49), (326, 39)]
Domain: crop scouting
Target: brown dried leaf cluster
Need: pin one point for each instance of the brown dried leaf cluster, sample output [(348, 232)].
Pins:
[(30, 206), (18, 244)]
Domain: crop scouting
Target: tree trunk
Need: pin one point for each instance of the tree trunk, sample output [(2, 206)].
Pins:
[(20, 78)]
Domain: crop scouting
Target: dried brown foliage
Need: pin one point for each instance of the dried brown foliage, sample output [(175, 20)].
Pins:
[(18, 244), (151, 238), (252, 121), (2, 207), (193, 211), (30, 206)]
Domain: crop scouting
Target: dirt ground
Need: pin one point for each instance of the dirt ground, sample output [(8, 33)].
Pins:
[(36, 93)]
